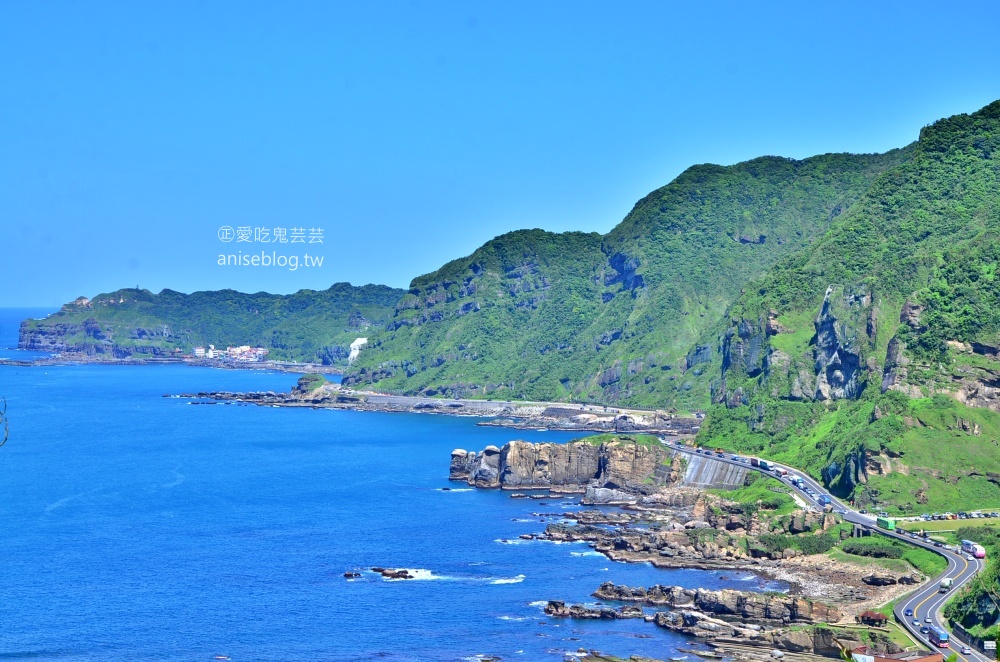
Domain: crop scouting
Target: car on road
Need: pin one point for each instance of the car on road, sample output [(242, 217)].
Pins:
[(925, 630), (928, 620), (968, 557), (908, 613), (966, 650), (863, 511)]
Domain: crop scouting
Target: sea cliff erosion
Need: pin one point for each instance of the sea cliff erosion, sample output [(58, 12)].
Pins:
[(630, 463)]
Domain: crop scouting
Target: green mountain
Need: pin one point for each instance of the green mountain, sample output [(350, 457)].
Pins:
[(613, 318), (305, 326), (871, 357), (841, 313)]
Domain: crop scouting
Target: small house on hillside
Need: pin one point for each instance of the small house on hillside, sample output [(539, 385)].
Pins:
[(871, 618)]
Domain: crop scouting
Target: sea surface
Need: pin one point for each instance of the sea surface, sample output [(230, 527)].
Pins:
[(141, 527)]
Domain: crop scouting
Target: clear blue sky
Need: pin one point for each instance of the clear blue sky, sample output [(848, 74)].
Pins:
[(412, 132)]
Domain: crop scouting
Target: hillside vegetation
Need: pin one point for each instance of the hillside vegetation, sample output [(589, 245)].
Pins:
[(871, 357), (305, 326), (613, 318), (840, 313)]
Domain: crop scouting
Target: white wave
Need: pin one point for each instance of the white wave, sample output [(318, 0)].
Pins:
[(538, 603), (512, 541), (508, 580), (523, 519), (457, 489), (512, 618), (590, 553), (62, 502)]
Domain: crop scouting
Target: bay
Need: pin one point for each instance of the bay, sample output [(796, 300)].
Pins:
[(146, 527)]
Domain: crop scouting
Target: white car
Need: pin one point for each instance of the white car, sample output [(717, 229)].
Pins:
[(966, 650)]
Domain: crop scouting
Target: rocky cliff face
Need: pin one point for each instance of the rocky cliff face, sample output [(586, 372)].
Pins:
[(520, 464), (837, 358)]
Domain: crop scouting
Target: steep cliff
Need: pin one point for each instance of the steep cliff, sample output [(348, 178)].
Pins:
[(621, 463)]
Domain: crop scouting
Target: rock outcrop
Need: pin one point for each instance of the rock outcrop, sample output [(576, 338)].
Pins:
[(740, 605), (837, 359), (615, 465)]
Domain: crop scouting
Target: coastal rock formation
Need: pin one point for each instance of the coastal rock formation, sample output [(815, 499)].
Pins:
[(726, 603), (815, 641), (559, 609), (622, 463)]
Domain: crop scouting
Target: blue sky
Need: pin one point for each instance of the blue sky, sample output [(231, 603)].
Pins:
[(412, 132)]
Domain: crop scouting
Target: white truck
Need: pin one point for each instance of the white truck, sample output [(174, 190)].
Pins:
[(946, 585)]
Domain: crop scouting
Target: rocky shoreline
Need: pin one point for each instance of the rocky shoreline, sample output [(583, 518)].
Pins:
[(669, 524), (520, 415)]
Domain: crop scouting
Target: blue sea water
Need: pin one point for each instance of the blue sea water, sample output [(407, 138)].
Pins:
[(141, 527)]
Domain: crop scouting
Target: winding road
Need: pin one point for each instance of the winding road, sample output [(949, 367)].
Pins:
[(926, 603)]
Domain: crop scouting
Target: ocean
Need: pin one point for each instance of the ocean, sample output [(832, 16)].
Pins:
[(142, 527)]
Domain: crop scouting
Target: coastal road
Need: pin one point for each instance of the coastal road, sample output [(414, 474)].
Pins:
[(925, 603)]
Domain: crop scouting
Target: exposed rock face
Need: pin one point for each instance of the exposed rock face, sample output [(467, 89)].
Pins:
[(520, 464), (700, 354), (837, 359), (983, 391), (559, 609), (526, 465), (910, 315), (743, 349), (625, 268), (480, 469), (818, 641), (744, 606), (894, 373)]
